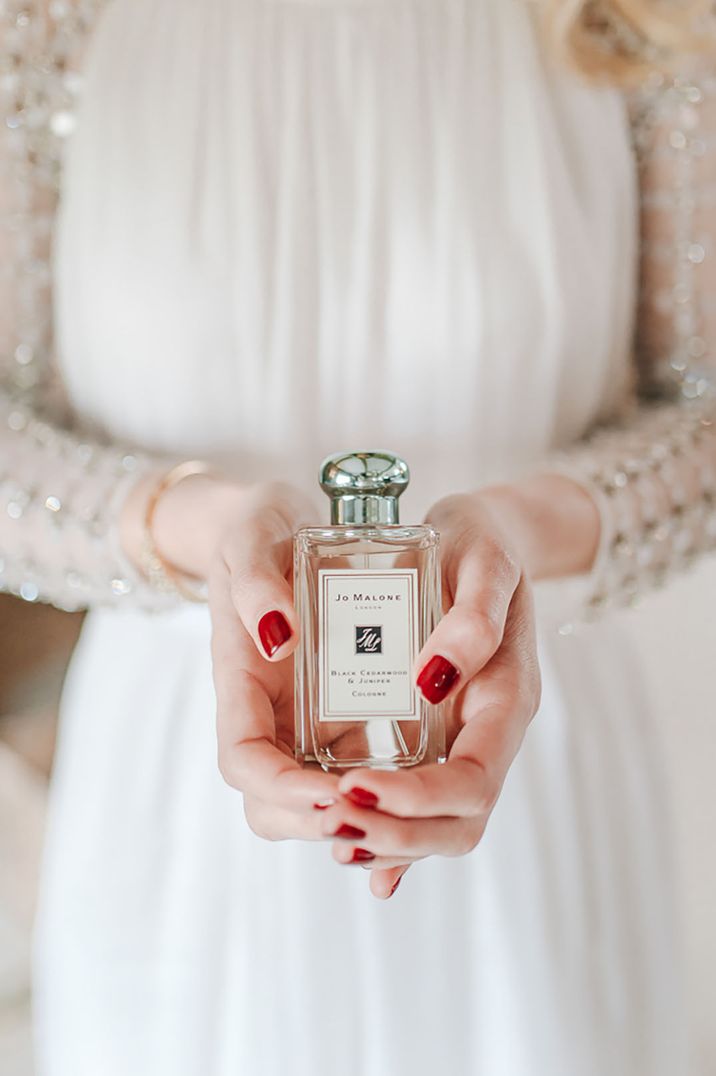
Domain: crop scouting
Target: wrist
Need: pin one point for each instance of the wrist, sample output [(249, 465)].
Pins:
[(552, 520), (188, 520), (191, 518)]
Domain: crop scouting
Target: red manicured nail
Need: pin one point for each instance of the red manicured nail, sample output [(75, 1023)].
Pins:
[(362, 797), (274, 631), (351, 833), (323, 805), (437, 678), (395, 886), (362, 855)]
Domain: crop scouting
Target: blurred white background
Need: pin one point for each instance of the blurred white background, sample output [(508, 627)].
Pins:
[(676, 634)]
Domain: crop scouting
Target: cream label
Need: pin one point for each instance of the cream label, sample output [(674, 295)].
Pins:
[(367, 643)]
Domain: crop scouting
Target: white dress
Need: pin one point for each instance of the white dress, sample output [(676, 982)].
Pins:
[(291, 227)]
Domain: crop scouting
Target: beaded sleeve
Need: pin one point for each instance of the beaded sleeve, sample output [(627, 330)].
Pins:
[(61, 486), (653, 471)]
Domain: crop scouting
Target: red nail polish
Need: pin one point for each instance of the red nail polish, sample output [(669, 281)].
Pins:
[(437, 678), (323, 805), (395, 886), (362, 855), (351, 833), (274, 631), (362, 797)]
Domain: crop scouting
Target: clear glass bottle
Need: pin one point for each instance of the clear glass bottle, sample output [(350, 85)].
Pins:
[(368, 595)]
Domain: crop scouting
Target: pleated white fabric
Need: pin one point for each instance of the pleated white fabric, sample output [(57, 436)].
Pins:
[(290, 227)]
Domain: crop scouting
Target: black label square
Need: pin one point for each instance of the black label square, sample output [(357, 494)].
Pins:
[(369, 640)]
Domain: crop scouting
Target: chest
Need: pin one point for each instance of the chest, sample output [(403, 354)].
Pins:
[(401, 205)]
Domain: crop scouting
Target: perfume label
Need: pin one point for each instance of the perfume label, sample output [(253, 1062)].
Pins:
[(367, 640)]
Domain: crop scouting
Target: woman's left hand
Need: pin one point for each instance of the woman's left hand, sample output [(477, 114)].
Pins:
[(482, 656)]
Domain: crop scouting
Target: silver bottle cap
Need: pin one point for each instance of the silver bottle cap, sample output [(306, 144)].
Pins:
[(364, 486)]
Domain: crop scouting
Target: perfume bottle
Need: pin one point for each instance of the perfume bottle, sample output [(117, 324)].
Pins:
[(368, 595)]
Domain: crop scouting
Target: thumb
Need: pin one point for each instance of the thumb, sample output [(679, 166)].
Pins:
[(471, 632), (259, 564), (384, 881)]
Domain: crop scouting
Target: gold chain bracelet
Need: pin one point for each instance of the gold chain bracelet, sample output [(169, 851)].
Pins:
[(160, 573)]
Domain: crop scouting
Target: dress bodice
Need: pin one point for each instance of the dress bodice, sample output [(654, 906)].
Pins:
[(291, 227)]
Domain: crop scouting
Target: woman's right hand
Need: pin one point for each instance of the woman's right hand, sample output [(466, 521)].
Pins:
[(241, 540)]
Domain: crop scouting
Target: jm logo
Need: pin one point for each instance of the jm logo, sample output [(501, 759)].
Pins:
[(369, 640)]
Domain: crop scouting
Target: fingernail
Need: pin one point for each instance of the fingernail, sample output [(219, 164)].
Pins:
[(274, 631), (323, 804), (395, 886), (437, 678), (362, 855), (362, 797), (351, 833)]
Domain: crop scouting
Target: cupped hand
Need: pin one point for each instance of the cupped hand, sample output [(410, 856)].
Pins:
[(482, 658), (254, 631)]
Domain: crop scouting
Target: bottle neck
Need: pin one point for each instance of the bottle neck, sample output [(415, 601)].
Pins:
[(350, 510)]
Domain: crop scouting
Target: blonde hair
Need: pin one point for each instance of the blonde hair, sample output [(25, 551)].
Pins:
[(622, 40)]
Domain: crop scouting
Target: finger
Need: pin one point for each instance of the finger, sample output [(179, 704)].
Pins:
[(249, 760), (384, 882), (500, 702), (259, 559), (471, 631), (450, 789), (371, 861), (249, 756), (278, 824), (498, 706), (396, 838), (467, 785)]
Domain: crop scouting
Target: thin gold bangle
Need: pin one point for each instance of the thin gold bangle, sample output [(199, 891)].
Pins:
[(161, 574)]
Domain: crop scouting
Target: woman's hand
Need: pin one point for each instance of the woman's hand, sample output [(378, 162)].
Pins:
[(254, 631), (482, 656), (240, 540)]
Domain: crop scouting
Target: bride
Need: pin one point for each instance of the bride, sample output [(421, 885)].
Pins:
[(478, 232)]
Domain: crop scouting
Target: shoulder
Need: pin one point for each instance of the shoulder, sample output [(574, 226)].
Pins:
[(675, 105), (42, 48), (31, 31)]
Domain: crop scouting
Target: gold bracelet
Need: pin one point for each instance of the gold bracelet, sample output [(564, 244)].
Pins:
[(160, 573)]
